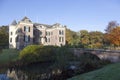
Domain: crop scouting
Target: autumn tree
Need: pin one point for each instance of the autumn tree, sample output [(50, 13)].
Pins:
[(114, 36), (111, 25)]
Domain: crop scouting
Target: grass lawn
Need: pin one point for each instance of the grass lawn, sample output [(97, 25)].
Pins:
[(110, 72), (8, 55)]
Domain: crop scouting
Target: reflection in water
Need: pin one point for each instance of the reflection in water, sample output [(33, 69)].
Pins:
[(3, 77), (21, 75), (39, 71), (16, 75)]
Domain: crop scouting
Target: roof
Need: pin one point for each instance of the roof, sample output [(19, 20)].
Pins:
[(46, 25), (14, 22), (26, 18), (56, 24)]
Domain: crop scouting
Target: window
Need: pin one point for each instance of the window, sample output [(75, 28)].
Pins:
[(19, 30), (17, 38), (10, 39), (62, 32), (62, 39), (59, 32), (29, 29), (40, 32), (26, 29), (29, 38), (26, 38), (47, 33), (48, 40), (45, 39), (59, 39), (11, 33)]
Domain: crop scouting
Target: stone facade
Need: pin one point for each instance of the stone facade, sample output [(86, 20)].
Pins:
[(26, 33)]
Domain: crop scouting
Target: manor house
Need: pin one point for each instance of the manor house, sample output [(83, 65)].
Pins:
[(25, 32)]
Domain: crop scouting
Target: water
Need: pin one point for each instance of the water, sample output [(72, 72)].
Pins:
[(31, 72), (4, 77)]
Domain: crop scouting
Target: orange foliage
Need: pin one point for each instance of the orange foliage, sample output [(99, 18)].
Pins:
[(114, 36)]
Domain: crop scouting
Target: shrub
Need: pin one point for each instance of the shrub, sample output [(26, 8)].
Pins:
[(63, 56), (36, 53)]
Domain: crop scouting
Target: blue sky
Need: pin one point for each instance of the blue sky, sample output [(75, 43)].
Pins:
[(91, 15)]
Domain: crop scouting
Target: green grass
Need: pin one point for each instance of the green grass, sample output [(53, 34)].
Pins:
[(8, 55), (110, 72)]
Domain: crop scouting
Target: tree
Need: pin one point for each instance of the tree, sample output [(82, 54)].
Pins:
[(96, 39), (114, 36), (70, 36), (4, 37), (111, 25), (84, 37)]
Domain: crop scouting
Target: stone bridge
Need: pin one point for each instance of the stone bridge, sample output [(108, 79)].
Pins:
[(112, 55)]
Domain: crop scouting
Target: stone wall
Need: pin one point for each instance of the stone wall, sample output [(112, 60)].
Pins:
[(112, 55)]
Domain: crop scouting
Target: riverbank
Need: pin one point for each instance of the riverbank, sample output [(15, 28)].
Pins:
[(109, 72), (8, 55), (49, 61)]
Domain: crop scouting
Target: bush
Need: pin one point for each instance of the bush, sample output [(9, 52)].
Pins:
[(36, 53), (63, 56)]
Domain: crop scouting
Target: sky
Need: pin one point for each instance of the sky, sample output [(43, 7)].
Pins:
[(91, 15)]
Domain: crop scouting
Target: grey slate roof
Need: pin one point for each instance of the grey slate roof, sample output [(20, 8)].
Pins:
[(56, 24), (26, 18), (14, 22), (46, 25)]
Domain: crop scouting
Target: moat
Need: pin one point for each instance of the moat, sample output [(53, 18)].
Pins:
[(30, 72)]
